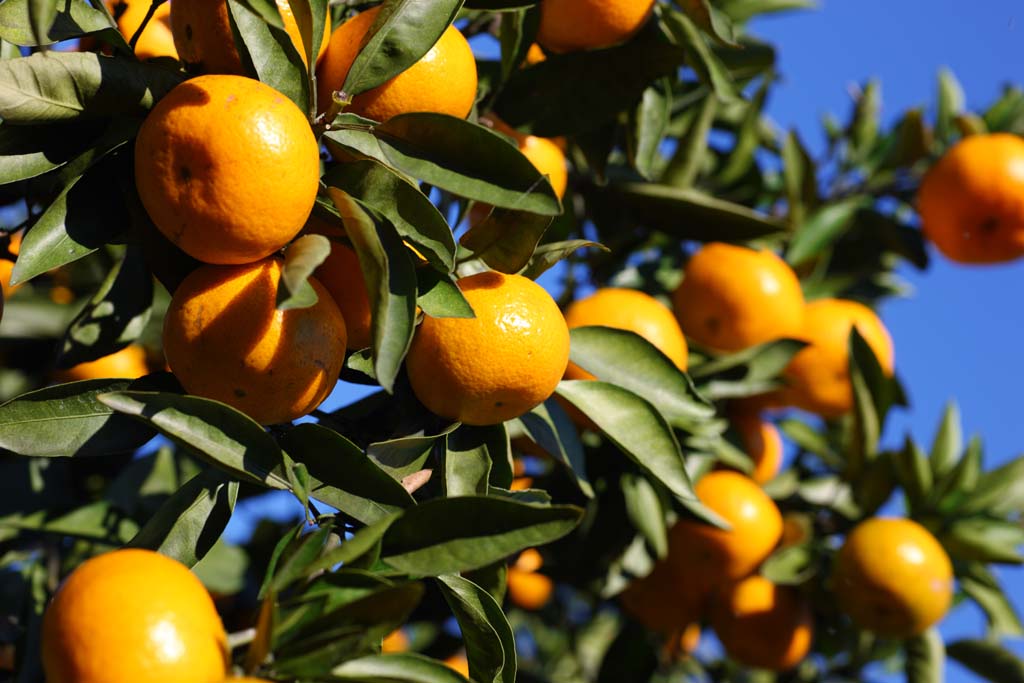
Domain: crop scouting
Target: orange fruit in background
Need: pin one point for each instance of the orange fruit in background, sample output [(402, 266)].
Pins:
[(7, 267), (893, 577), (535, 55), (631, 310), (762, 624), (444, 80), (129, 362), (818, 376), (203, 37), (225, 339), (396, 641), (708, 556), (498, 365), (227, 168), (545, 155), (972, 201), (690, 640), (732, 298), (129, 616), (761, 441), (570, 25), (526, 587), (156, 40), (664, 601), (459, 663), (341, 275)]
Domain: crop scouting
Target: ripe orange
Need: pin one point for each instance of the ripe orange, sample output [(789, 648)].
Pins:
[(665, 601), (396, 641), (130, 616), (708, 556), (545, 155), (892, 577), (156, 40), (570, 25), (459, 663), (632, 310), (762, 443), (341, 275), (498, 365), (444, 80), (818, 377), (690, 640), (7, 267), (129, 362), (203, 37), (972, 201), (225, 339), (763, 625), (227, 168), (733, 298), (535, 55), (527, 588)]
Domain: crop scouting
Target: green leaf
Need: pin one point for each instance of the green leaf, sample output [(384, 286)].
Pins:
[(29, 152), (957, 485), (604, 83), (506, 240), (61, 86), (639, 431), (415, 218), (42, 14), (490, 643), (396, 668), (809, 439), (213, 431), (1000, 492), (116, 314), (516, 34), (301, 259), (547, 255), (821, 229), (266, 10), (297, 557), (951, 103), (790, 566), (73, 19), (270, 49), (863, 129), (699, 56), (343, 476), (689, 214), (914, 473), (980, 585), (500, 5), (648, 374), (405, 456), (648, 122), (469, 454), (402, 33), (449, 535), (926, 658), (354, 547), (643, 508), (262, 642), (867, 417), (439, 296), (189, 523), (687, 162), (68, 420), (550, 427), (310, 17), (742, 10), (748, 372), (981, 539), (799, 174), (710, 20), (948, 442), (990, 660), (748, 139), (391, 285)]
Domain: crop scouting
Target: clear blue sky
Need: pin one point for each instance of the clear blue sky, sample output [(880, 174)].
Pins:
[(960, 335)]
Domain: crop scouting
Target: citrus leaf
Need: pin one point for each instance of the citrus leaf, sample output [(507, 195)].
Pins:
[(270, 49), (61, 86), (951, 103), (29, 152), (115, 315), (990, 660), (710, 20), (980, 585), (189, 522), (213, 431), (914, 473), (926, 658), (742, 10), (262, 642), (999, 492), (948, 442), (490, 643), (981, 539), (301, 259), (296, 558), (499, 5), (547, 255), (409, 210), (310, 18), (439, 296), (799, 174), (68, 420), (405, 456), (396, 668), (648, 122), (72, 19), (353, 547), (449, 535), (468, 455), (266, 10), (506, 240), (516, 33), (643, 508), (550, 427), (821, 229), (688, 160), (699, 56), (402, 33)]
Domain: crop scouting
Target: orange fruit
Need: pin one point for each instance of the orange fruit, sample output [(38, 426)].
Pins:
[(521, 484), (203, 37), (526, 587), (341, 275), (7, 267), (570, 25), (631, 310), (498, 365), (545, 155), (129, 362), (892, 577), (227, 168), (535, 55), (690, 639), (762, 443), (818, 377), (459, 663), (664, 601), (444, 80), (225, 339), (130, 616), (156, 40), (707, 556), (763, 625), (972, 201), (396, 641), (733, 298)]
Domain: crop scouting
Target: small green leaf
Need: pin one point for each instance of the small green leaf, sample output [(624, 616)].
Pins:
[(396, 668), (547, 255), (72, 19), (469, 455), (490, 643), (926, 658), (506, 240), (648, 122), (948, 442), (302, 258), (550, 427), (914, 473), (821, 229), (270, 49), (981, 539), (643, 508), (699, 55), (1000, 492), (951, 103), (980, 585)]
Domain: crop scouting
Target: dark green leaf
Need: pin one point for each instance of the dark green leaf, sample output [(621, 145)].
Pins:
[(302, 258), (273, 54), (551, 428), (73, 19), (926, 658), (980, 585), (951, 103), (506, 240), (396, 668), (490, 643), (914, 473), (351, 549), (989, 660), (948, 442), (821, 229), (648, 122), (1000, 492), (439, 296), (547, 255), (687, 161), (643, 508), (800, 177), (468, 457), (699, 56), (28, 152), (980, 539), (405, 456)]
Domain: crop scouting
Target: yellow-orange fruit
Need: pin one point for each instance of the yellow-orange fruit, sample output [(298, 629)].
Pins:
[(498, 365), (526, 587), (892, 577), (156, 40), (732, 298), (130, 616), (129, 362), (444, 80), (762, 624), (225, 339), (665, 601), (459, 663), (7, 267), (570, 25), (396, 641), (818, 377), (972, 201), (227, 168), (762, 443)]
